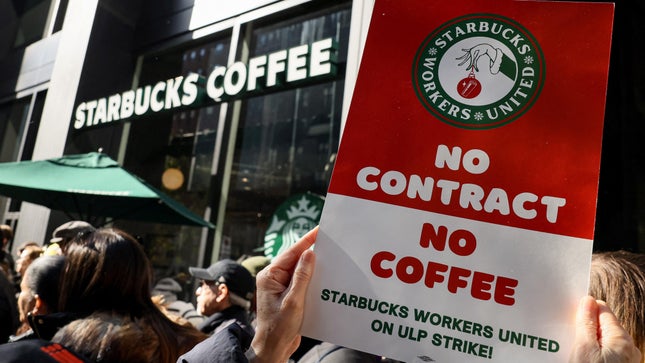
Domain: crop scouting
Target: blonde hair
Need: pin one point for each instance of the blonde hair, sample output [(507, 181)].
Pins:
[(618, 278)]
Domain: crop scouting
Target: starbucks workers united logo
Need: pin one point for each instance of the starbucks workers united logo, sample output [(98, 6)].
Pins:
[(479, 71)]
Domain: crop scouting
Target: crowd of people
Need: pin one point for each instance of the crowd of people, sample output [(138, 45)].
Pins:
[(89, 297)]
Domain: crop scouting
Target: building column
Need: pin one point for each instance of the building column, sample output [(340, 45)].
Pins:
[(58, 108)]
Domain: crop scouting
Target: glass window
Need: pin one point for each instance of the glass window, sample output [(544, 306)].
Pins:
[(32, 126), (287, 140), (12, 117), (177, 147), (13, 123), (31, 18)]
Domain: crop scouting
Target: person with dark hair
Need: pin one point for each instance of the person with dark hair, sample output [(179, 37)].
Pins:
[(39, 295), (7, 264), (8, 310), (38, 292), (106, 270), (108, 337)]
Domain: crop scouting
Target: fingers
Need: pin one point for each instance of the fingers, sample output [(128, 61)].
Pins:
[(600, 337), (613, 335), (302, 276), (608, 323), (464, 59), (289, 258), (587, 324), (278, 274), (475, 59)]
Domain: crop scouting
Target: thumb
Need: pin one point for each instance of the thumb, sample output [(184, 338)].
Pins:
[(587, 324)]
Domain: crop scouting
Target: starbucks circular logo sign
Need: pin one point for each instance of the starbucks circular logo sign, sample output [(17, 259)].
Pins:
[(296, 216), (478, 71)]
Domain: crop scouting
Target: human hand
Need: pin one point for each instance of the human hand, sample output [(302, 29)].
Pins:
[(281, 289), (472, 55), (599, 336)]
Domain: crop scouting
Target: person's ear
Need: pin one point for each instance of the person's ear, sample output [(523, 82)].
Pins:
[(40, 308), (222, 292)]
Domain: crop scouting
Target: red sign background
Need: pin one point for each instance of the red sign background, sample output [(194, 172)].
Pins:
[(552, 150)]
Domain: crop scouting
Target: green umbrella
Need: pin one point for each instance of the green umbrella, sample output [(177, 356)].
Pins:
[(90, 186)]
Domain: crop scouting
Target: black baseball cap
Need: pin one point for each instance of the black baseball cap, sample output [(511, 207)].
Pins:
[(236, 277)]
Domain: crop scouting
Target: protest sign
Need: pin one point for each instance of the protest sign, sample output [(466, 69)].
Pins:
[(459, 221)]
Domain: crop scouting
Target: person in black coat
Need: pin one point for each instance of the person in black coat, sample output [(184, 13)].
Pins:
[(8, 309)]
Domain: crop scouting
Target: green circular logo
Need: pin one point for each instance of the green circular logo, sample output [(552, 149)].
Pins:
[(478, 71), (296, 216)]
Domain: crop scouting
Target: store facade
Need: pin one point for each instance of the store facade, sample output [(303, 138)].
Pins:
[(229, 109)]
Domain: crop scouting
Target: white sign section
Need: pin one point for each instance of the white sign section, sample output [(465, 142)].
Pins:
[(458, 225)]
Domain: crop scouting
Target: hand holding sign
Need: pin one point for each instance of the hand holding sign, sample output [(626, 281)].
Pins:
[(599, 336), (281, 288), (281, 298)]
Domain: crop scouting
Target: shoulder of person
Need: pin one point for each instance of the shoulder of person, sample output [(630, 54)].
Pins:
[(38, 350), (226, 345)]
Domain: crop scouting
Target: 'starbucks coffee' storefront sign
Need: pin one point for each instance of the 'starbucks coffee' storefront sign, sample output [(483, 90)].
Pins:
[(279, 69), (458, 225)]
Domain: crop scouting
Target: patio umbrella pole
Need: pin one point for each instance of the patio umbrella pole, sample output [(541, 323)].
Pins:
[(66, 212), (78, 209)]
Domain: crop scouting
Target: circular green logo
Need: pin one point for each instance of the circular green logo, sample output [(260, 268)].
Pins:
[(296, 216), (478, 71)]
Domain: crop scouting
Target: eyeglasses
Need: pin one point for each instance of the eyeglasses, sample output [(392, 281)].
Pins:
[(217, 282), (207, 283)]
